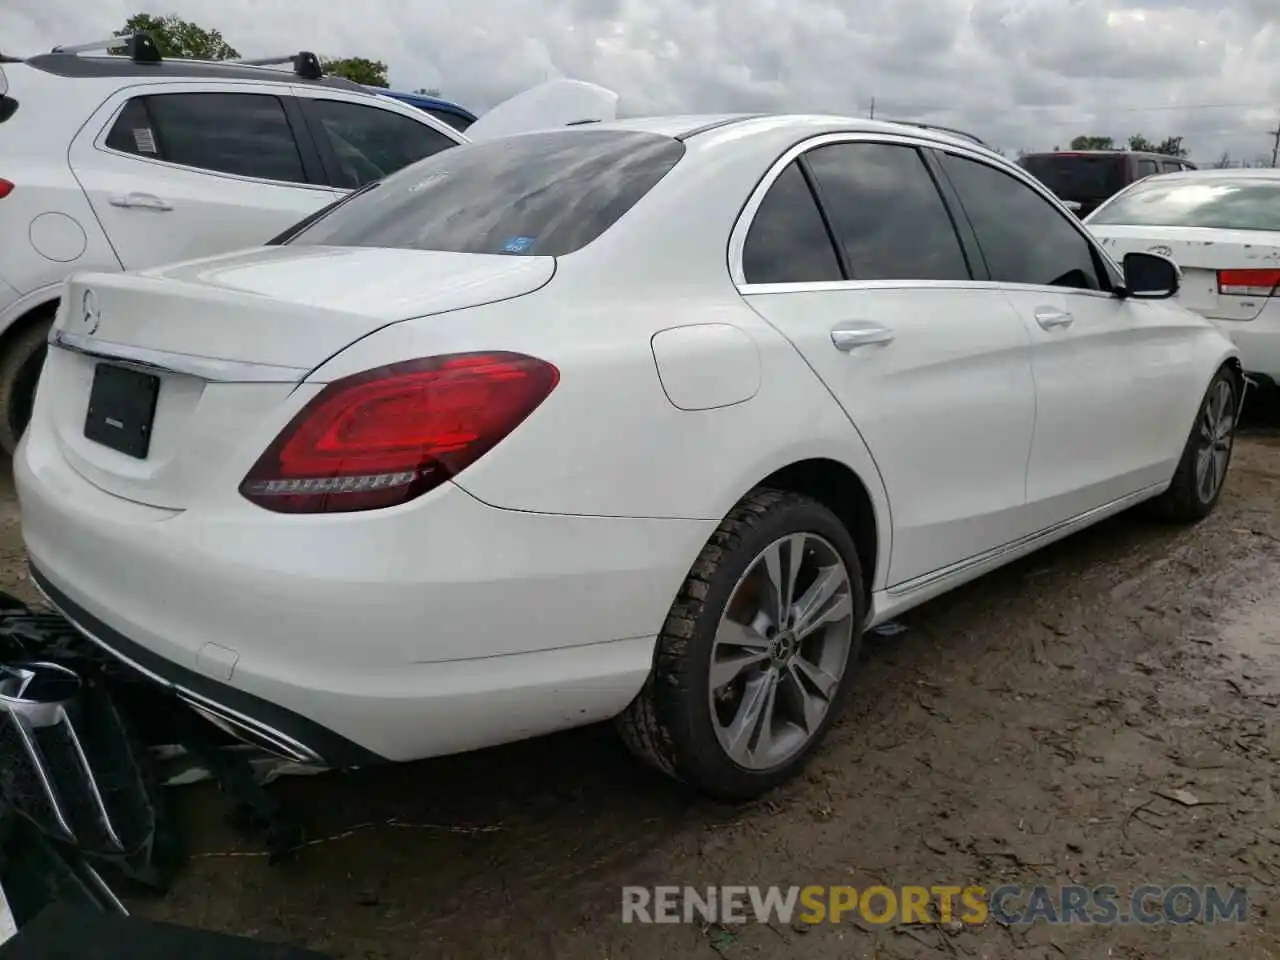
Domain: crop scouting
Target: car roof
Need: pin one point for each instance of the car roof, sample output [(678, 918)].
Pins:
[(688, 126), (80, 66), (1223, 173)]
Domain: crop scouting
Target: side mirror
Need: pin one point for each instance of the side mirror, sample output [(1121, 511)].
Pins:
[(1148, 276)]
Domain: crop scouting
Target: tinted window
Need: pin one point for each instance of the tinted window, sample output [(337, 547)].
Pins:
[(788, 242), (886, 213), (242, 133), (1235, 203), (538, 194), (1146, 168), (1081, 176), (370, 143), (1169, 166), (1023, 237), (132, 132)]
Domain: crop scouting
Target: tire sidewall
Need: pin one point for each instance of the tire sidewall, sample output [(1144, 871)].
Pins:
[(796, 516)]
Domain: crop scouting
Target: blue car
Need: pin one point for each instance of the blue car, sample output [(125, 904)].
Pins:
[(456, 116)]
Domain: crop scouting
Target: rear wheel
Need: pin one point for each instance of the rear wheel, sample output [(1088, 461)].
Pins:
[(757, 653), (21, 360), (1202, 471)]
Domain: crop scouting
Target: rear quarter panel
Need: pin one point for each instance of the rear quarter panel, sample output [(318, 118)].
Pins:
[(608, 441)]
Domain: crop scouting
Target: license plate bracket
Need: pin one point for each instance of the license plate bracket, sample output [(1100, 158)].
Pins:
[(122, 409)]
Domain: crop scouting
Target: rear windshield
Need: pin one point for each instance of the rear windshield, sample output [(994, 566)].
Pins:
[(538, 194), (1228, 204), (1084, 178)]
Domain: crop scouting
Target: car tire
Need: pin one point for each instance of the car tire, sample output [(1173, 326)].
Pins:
[(677, 723), (21, 361), (1207, 454)]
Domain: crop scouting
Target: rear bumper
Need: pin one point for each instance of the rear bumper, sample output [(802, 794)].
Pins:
[(251, 718), (435, 628)]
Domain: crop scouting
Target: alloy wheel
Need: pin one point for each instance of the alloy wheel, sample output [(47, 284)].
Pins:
[(781, 650)]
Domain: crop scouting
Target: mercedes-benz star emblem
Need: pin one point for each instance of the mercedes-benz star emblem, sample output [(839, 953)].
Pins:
[(92, 315)]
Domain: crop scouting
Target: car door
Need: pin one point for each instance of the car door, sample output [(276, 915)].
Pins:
[(362, 139), (930, 365), (1107, 369), (178, 171)]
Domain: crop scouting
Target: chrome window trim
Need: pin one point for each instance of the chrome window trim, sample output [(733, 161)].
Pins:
[(185, 364), (746, 217)]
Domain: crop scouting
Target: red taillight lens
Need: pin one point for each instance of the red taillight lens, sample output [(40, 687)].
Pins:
[(385, 436), (6, 188), (1249, 283)]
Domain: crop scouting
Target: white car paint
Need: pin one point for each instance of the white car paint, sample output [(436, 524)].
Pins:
[(1249, 314), (524, 594), (552, 104)]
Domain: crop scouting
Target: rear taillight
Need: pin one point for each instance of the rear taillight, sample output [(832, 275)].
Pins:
[(6, 188), (1249, 283), (385, 436)]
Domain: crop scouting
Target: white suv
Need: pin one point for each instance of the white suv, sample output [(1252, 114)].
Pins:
[(128, 162)]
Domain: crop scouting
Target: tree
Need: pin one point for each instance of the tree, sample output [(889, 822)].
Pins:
[(372, 73), (1141, 144), (1093, 143), (1172, 147), (176, 37)]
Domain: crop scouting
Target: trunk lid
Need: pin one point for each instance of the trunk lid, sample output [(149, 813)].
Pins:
[(1201, 253), (555, 103), (227, 340)]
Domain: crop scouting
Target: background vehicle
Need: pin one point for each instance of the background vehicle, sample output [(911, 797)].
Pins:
[(126, 162), (654, 441), (456, 115), (1085, 178), (1222, 227)]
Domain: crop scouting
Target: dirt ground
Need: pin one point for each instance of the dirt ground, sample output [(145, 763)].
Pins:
[(1021, 730)]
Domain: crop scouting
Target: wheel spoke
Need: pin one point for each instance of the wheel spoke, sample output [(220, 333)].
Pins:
[(826, 601), (782, 562), (737, 647), (1219, 467), (750, 733)]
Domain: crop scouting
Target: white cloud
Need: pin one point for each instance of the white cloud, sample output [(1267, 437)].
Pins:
[(1018, 73)]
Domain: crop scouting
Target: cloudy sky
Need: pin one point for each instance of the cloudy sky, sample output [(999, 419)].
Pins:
[(1018, 73)]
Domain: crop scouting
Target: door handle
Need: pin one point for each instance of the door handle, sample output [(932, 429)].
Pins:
[(853, 335), (1049, 318), (142, 201)]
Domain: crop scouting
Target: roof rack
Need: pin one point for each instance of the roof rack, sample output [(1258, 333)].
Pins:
[(305, 64), (141, 48)]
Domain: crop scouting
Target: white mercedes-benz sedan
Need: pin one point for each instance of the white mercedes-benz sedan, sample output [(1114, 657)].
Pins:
[(642, 420)]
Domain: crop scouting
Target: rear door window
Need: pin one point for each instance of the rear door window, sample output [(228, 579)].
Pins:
[(788, 241), (246, 134), (886, 213), (543, 194), (1146, 168), (369, 143), (1170, 166)]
